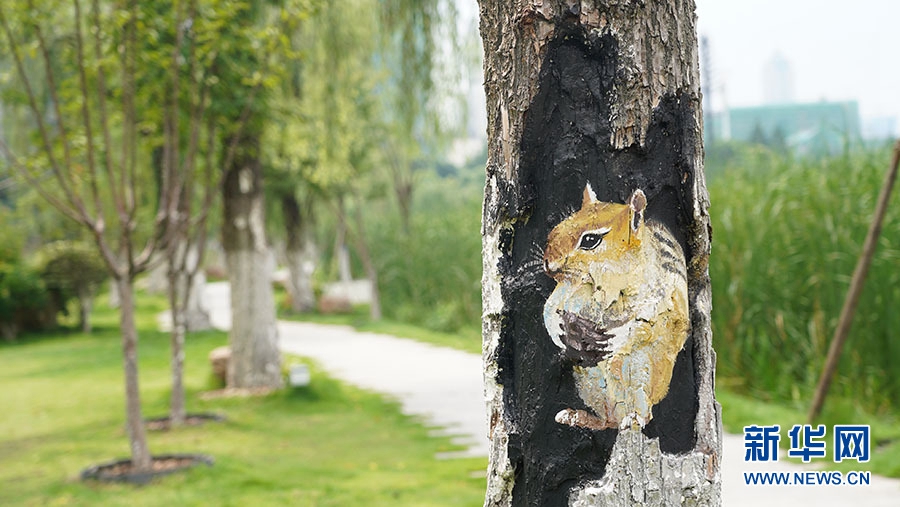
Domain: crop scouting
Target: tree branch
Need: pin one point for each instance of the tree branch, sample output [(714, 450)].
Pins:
[(85, 112), (39, 118), (38, 186), (54, 100), (129, 137), (104, 117)]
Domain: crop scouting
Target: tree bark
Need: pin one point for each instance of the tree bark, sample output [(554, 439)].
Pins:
[(177, 286), (403, 183), (137, 436), (196, 313), (113, 299), (365, 256), (300, 253), (589, 103), (85, 305), (255, 358), (184, 270), (341, 253), (184, 285), (177, 410)]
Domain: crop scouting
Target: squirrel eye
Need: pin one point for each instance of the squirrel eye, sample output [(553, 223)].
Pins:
[(590, 240)]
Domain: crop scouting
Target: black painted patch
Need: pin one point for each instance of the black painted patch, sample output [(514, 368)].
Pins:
[(566, 144)]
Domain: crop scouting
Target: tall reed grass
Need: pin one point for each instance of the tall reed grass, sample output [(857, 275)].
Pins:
[(787, 233), (430, 274)]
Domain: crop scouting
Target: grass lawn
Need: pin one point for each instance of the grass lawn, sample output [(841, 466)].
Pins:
[(328, 444)]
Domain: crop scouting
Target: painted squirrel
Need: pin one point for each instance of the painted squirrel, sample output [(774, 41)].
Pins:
[(619, 310)]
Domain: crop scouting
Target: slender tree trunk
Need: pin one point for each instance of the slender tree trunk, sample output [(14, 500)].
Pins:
[(156, 280), (85, 305), (340, 243), (598, 349), (255, 358), (299, 253), (183, 283), (371, 272), (190, 282), (113, 300), (137, 436), (403, 189), (196, 313), (177, 410)]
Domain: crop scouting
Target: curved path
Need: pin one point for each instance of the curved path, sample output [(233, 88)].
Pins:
[(444, 387)]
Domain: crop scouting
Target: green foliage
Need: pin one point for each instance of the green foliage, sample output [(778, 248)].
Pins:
[(11, 238), (23, 299), (787, 235), (71, 266), (431, 275), (327, 444), (324, 129)]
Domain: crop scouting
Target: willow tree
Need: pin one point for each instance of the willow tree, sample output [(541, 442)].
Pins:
[(416, 37), (598, 350), (331, 132)]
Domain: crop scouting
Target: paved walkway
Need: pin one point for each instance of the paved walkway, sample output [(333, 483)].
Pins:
[(444, 387)]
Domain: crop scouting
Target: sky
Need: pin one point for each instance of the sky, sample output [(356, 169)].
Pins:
[(837, 50)]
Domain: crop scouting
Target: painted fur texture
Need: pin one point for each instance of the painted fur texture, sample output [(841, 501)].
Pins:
[(619, 310)]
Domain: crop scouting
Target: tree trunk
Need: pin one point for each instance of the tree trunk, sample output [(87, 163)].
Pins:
[(190, 281), (340, 244), (255, 358), (371, 272), (156, 280), (300, 253), (85, 305), (177, 409), (184, 284), (113, 300), (403, 189), (176, 283), (140, 454), (598, 349), (196, 313)]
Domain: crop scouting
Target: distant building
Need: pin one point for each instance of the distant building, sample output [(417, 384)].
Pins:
[(820, 127)]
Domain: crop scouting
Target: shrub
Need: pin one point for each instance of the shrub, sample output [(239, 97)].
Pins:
[(72, 270), (24, 302)]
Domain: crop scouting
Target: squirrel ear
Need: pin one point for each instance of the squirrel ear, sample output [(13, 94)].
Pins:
[(638, 203), (589, 196)]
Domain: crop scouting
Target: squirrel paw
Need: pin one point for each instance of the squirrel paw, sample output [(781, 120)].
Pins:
[(581, 419)]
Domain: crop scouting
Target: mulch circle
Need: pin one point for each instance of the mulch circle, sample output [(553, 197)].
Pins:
[(162, 423), (122, 470)]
